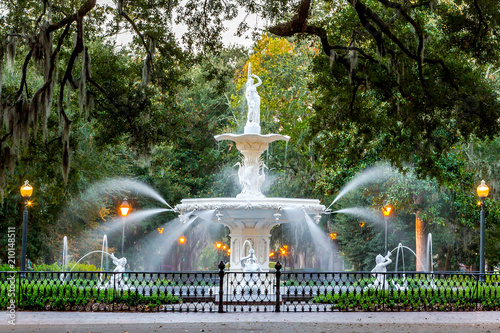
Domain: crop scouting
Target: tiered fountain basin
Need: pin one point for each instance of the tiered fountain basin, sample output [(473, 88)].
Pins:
[(251, 219)]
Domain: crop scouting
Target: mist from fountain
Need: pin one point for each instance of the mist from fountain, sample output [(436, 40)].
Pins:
[(365, 213), (116, 223), (292, 213), (323, 246), (206, 215), (131, 185), (158, 245)]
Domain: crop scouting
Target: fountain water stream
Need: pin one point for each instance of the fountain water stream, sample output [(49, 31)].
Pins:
[(65, 256), (104, 250), (368, 176)]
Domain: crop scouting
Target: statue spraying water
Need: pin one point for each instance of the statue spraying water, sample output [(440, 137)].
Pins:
[(379, 271)]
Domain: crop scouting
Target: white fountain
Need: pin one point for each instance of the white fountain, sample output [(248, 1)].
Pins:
[(251, 216)]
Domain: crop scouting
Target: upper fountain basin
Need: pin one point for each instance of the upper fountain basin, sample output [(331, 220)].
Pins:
[(247, 138)]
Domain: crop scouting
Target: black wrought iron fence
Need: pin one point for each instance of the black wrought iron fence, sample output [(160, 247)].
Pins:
[(274, 291)]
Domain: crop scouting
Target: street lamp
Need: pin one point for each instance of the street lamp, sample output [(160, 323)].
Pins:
[(386, 210), (124, 211), (482, 192), (284, 252), (182, 241), (26, 191)]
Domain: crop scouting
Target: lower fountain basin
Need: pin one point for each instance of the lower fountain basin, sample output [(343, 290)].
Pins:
[(250, 221), (257, 209)]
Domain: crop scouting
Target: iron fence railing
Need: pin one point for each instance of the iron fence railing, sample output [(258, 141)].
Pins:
[(227, 291)]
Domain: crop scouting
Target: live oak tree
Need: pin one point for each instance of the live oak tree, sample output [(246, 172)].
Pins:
[(68, 92), (405, 76), (47, 52)]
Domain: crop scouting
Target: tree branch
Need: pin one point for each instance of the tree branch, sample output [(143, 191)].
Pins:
[(481, 22), (84, 9), (71, 62), (121, 11), (24, 73)]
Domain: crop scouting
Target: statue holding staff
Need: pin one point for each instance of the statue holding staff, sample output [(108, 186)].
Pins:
[(253, 98)]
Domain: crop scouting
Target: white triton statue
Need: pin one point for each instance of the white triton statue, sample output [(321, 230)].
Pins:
[(116, 280), (381, 267)]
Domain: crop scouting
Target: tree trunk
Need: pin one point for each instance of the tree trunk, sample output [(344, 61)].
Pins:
[(448, 255), (420, 243)]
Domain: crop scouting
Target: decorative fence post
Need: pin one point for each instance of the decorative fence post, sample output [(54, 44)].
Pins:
[(221, 286), (278, 286)]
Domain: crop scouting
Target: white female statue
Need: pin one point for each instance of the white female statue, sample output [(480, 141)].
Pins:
[(253, 101)]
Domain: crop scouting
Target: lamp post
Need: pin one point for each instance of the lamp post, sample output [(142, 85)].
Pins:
[(224, 248), (26, 191), (386, 210), (284, 252), (182, 241), (124, 211), (482, 192)]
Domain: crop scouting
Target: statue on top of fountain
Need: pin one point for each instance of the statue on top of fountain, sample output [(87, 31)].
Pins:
[(252, 143), (253, 101)]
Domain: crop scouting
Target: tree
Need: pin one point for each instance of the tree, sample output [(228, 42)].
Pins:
[(407, 77), (53, 66)]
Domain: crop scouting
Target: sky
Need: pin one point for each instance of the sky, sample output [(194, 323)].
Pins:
[(228, 36)]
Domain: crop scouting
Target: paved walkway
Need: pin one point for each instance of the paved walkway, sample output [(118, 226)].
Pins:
[(55, 322)]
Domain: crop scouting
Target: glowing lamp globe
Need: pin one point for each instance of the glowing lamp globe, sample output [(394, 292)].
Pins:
[(26, 190), (387, 210), (125, 208), (483, 190)]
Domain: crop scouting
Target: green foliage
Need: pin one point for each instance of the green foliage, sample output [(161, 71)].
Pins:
[(7, 268), (376, 94), (66, 297), (80, 267)]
